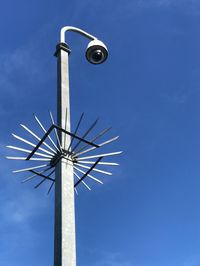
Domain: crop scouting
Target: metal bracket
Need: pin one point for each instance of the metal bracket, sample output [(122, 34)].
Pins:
[(62, 130), (62, 46)]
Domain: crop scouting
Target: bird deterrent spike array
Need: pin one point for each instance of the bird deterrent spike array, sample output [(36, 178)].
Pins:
[(78, 153)]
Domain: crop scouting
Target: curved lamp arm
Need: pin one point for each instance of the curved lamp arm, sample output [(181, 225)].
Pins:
[(70, 28)]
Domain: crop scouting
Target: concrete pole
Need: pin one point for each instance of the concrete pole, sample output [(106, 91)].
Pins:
[(64, 233)]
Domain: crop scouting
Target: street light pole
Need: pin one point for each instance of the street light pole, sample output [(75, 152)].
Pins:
[(64, 238), (64, 233)]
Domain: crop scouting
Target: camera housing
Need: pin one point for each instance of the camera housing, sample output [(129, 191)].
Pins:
[(96, 52)]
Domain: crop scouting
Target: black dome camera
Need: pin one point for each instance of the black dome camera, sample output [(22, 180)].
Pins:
[(96, 52)]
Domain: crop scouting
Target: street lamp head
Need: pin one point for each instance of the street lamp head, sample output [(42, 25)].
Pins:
[(96, 52)]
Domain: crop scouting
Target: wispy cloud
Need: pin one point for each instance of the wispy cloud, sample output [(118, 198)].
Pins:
[(22, 208), (25, 68), (177, 97), (19, 213), (156, 3), (113, 259), (189, 6), (107, 258)]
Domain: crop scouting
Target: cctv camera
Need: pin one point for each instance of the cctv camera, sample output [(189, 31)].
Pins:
[(96, 52)]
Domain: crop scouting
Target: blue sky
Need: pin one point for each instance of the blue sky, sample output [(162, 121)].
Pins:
[(147, 213)]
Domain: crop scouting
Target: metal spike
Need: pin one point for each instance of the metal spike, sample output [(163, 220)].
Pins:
[(44, 176), (103, 163), (30, 168), (33, 134), (94, 169), (52, 172), (77, 127), (44, 179), (86, 133), (95, 138), (50, 188), (90, 169), (28, 151), (45, 131), (24, 158), (56, 131), (100, 155), (92, 177), (76, 191), (87, 173), (40, 183), (32, 144), (100, 145), (30, 177), (82, 181)]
